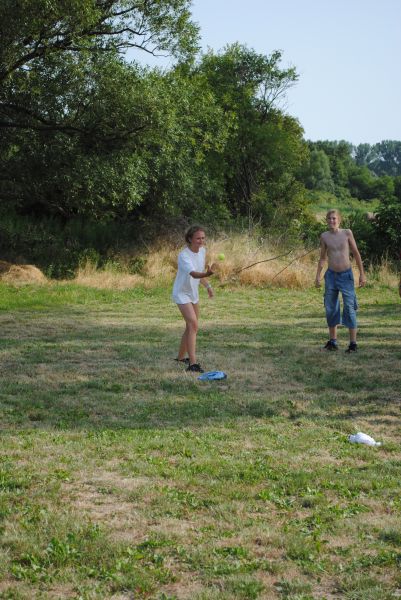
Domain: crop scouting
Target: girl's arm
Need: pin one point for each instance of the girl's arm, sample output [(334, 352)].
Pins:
[(209, 271), (208, 286)]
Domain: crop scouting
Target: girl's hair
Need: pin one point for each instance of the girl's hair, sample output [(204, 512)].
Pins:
[(191, 231), (335, 211)]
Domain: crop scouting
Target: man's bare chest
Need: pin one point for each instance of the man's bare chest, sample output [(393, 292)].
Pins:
[(337, 243)]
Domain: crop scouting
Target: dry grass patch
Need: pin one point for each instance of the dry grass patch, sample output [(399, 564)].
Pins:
[(89, 275), (274, 265), (294, 270), (12, 590), (185, 588), (21, 274)]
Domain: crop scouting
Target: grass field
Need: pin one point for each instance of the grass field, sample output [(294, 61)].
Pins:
[(123, 477), (321, 202)]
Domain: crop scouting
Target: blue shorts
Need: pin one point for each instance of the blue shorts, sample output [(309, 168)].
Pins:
[(340, 282)]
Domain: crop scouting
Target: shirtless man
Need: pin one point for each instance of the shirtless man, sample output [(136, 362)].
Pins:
[(336, 245)]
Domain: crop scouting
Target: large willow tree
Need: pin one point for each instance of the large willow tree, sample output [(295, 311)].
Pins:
[(74, 115)]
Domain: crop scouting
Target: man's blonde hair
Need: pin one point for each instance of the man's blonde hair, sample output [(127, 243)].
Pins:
[(334, 211)]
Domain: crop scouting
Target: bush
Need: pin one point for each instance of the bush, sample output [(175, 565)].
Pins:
[(365, 233), (388, 225), (57, 248)]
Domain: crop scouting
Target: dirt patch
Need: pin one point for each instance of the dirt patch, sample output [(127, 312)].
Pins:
[(184, 589), (20, 274), (103, 497), (13, 589)]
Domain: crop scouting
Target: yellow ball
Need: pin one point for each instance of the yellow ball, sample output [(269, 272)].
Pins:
[(221, 256)]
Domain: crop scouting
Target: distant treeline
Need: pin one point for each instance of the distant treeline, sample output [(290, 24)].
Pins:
[(97, 154), (364, 172), (368, 173)]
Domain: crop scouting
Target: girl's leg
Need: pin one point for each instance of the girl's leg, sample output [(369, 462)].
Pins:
[(182, 352), (188, 341)]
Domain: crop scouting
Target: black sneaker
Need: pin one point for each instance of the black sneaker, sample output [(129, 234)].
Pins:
[(195, 368), (352, 348), (330, 346), (182, 360)]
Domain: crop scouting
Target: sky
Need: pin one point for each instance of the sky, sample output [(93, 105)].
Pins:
[(347, 54)]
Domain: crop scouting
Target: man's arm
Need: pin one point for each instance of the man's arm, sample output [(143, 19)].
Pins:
[(357, 256), (322, 260)]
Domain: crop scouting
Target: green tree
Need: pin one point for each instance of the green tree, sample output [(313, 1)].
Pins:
[(91, 165), (387, 158), (189, 129), (74, 118), (317, 173), (341, 160), (33, 29), (388, 227), (265, 146), (363, 155), (361, 182), (384, 187), (397, 188)]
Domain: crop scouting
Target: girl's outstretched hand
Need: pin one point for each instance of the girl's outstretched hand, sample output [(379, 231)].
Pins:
[(214, 267)]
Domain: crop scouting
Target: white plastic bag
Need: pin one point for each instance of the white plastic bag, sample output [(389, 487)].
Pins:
[(363, 438)]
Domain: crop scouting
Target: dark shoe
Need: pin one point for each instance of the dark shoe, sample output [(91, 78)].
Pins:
[(195, 368), (330, 346), (182, 360), (352, 348)]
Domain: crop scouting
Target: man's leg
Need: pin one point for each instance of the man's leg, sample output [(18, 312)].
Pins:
[(333, 332), (350, 306), (332, 307)]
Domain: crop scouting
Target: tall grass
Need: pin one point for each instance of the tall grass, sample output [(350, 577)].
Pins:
[(295, 270), (159, 265)]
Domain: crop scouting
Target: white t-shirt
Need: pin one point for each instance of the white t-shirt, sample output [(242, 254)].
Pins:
[(186, 288)]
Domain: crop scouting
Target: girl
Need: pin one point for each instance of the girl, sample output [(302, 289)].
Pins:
[(191, 272)]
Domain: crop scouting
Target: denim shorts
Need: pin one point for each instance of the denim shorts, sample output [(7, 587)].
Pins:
[(340, 282)]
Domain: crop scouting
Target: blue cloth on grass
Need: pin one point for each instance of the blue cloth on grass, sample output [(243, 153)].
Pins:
[(211, 375)]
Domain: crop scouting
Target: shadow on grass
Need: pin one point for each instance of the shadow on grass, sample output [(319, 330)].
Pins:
[(69, 373)]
